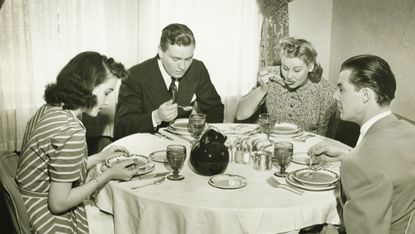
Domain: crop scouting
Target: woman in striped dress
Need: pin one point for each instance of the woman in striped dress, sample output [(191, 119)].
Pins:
[(53, 164)]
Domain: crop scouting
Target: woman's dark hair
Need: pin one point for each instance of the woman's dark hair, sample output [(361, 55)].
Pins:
[(176, 34), (291, 47), (76, 81), (371, 71)]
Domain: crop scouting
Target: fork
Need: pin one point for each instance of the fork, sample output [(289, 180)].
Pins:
[(287, 187), (304, 137), (156, 182)]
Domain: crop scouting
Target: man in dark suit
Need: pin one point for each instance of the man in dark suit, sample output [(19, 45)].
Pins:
[(150, 97), (378, 175)]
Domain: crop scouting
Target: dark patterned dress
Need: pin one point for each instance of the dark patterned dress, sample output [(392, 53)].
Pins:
[(310, 106), (53, 149)]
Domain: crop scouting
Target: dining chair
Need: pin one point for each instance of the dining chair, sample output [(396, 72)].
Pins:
[(11, 194)]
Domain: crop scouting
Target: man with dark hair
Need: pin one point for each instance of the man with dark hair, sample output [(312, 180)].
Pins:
[(377, 176), (149, 98)]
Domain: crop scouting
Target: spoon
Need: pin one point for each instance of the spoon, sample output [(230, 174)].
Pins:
[(186, 108), (156, 182)]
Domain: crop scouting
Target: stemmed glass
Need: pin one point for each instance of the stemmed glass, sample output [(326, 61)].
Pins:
[(266, 123), (176, 155), (197, 124), (283, 152)]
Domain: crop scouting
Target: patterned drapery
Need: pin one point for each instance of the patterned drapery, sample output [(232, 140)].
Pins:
[(274, 27)]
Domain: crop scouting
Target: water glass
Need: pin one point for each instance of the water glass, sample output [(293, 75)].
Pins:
[(176, 155), (197, 124), (283, 152), (266, 123)]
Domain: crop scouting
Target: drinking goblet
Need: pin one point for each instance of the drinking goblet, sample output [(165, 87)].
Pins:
[(197, 124), (266, 123), (283, 152), (176, 155)]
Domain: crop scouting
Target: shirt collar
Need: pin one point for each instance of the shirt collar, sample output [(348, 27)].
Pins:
[(164, 74), (365, 127)]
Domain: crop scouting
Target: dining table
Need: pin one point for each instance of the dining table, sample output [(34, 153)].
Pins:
[(193, 205)]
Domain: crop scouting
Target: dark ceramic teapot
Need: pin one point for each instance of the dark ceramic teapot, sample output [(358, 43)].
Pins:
[(210, 156)]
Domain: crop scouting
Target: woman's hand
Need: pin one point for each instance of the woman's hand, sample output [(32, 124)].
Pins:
[(123, 170), (270, 73), (113, 151)]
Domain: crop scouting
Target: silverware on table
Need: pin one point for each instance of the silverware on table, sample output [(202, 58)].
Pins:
[(275, 183), (178, 135), (155, 182), (303, 138), (162, 135)]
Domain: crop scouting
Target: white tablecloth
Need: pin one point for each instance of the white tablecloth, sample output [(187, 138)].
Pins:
[(193, 206)]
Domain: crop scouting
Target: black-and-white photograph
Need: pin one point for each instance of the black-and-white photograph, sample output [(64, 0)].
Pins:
[(207, 116)]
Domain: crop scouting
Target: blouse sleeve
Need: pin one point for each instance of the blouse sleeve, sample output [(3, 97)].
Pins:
[(327, 109), (66, 160)]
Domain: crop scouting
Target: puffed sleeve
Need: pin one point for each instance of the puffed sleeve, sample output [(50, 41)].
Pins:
[(68, 155), (368, 192)]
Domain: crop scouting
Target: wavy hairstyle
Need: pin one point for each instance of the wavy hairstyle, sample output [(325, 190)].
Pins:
[(291, 47), (76, 81), (371, 71), (176, 34)]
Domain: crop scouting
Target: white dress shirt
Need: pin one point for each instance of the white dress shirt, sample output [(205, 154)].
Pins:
[(167, 80)]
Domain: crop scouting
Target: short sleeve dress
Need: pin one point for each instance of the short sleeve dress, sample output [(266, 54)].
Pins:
[(310, 106), (53, 149)]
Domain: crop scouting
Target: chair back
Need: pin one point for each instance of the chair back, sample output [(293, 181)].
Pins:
[(410, 228), (11, 193)]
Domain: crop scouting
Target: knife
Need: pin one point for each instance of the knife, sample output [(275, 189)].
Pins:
[(146, 176), (155, 175)]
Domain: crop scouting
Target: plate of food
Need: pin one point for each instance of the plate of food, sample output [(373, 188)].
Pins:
[(228, 181), (320, 177), (291, 181), (144, 164), (286, 129)]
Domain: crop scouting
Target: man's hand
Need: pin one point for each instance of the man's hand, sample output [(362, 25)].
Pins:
[(325, 148), (167, 111)]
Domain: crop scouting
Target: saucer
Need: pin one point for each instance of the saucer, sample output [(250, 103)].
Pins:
[(228, 181)]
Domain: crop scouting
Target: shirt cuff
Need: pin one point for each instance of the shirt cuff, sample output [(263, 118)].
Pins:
[(155, 119)]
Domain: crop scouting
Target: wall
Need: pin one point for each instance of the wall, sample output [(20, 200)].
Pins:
[(311, 20), (364, 27)]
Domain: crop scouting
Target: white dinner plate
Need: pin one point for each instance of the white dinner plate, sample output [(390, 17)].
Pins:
[(180, 124), (286, 129), (320, 177), (159, 156), (228, 181), (302, 158), (290, 180), (144, 164)]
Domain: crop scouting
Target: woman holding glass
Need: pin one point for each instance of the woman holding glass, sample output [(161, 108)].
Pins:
[(292, 92), (51, 173)]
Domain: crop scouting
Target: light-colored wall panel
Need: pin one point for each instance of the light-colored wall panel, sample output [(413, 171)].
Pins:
[(382, 27), (311, 20)]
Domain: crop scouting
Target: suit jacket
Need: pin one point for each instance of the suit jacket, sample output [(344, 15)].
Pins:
[(145, 90), (378, 179)]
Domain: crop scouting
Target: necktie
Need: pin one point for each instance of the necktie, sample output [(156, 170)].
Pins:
[(173, 89)]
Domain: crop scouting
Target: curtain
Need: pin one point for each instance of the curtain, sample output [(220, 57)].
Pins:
[(227, 34), (38, 37), (274, 27)]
